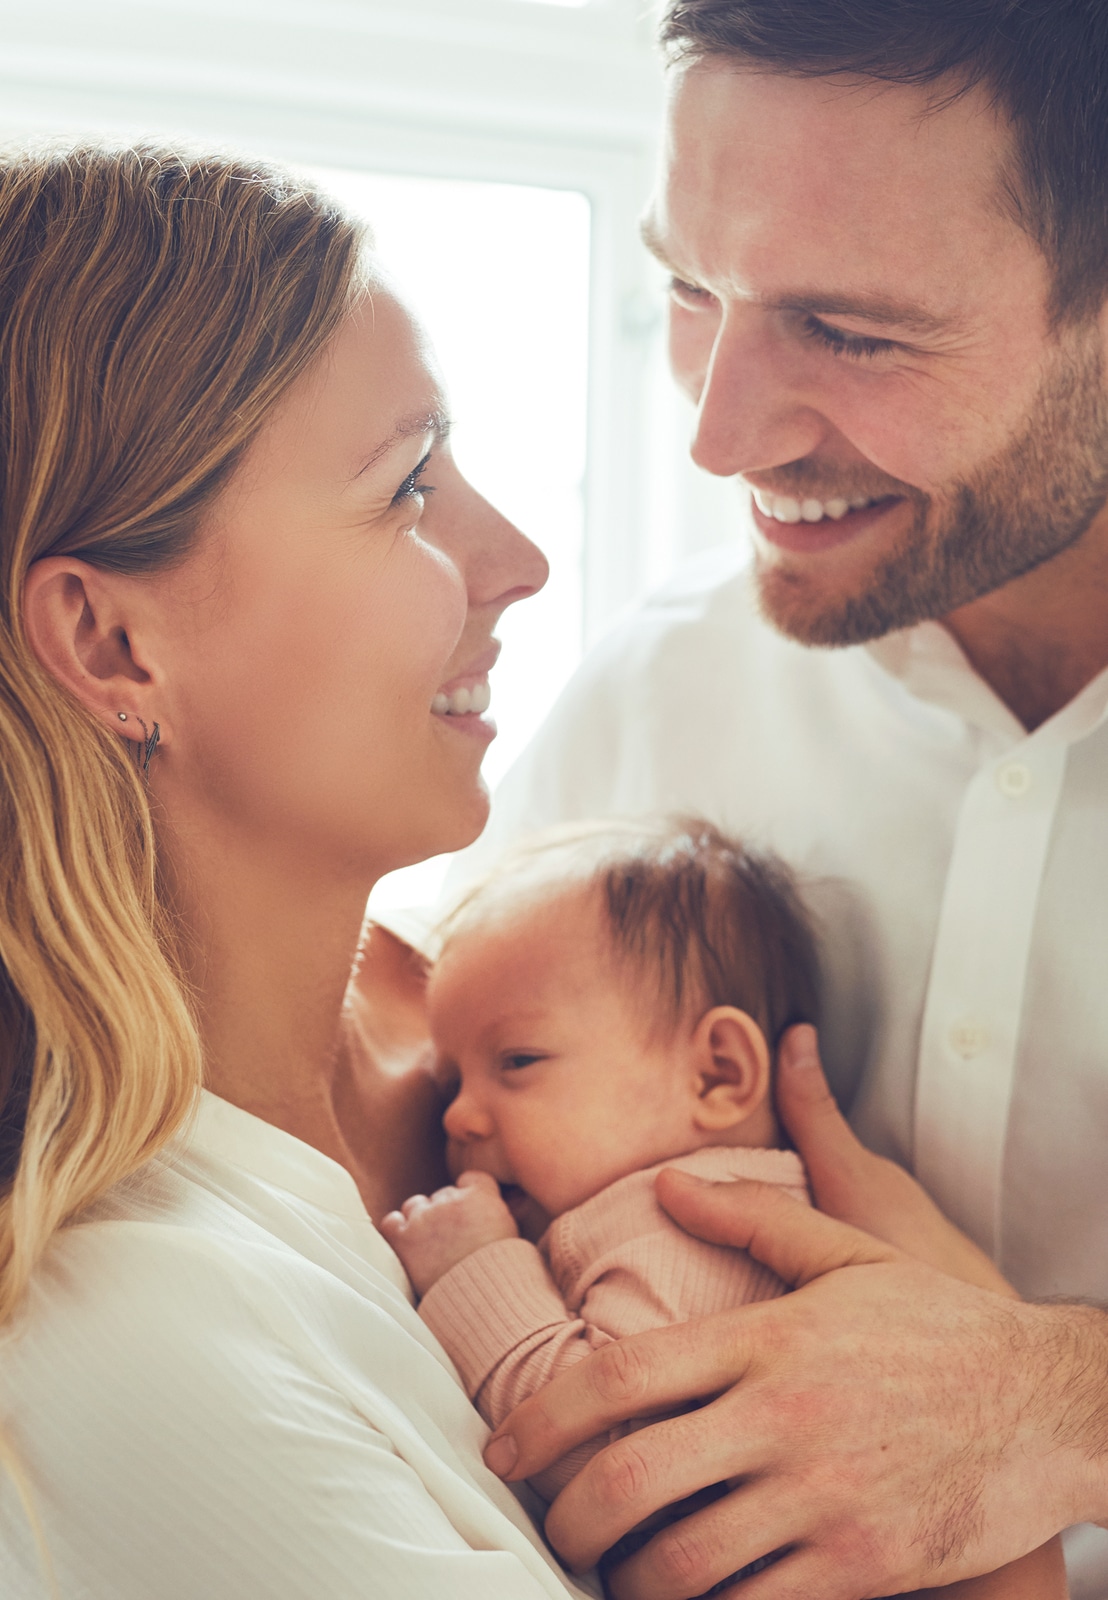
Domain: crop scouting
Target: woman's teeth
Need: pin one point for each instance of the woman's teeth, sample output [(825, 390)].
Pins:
[(459, 702), (783, 508)]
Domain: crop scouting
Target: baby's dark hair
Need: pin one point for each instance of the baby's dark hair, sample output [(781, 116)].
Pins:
[(703, 920)]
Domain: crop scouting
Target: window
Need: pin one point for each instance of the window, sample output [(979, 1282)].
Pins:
[(528, 122)]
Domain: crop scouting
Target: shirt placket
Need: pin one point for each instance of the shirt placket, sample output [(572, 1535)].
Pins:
[(971, 1019)]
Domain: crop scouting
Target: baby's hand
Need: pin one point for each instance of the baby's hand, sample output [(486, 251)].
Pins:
[(432, 1235)]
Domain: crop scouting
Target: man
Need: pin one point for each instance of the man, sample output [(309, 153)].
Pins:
[(887, 228)]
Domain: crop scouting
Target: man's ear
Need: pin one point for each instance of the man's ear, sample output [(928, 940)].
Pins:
[(76, 619), (730, 1059)]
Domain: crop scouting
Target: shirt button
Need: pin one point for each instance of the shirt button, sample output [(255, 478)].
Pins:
[(1014, 779), (968, 1039)]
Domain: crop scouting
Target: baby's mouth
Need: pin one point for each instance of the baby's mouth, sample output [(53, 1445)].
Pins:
[(530, 1218)]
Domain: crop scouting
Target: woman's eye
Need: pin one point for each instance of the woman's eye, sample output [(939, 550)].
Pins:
[(687, 294), (856, 346), (413, 484)]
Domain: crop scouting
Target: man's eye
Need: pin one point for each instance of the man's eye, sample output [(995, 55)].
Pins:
[(688, 294), (857, 346)]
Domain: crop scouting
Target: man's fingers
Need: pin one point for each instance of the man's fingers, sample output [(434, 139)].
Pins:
[(648, 1470), (642, 1375), (692, 1555), (792, 1239)]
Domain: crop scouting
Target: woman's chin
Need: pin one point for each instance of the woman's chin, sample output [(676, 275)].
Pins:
[(454, 827)]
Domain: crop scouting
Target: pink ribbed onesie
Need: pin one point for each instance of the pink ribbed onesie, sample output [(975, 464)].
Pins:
[(513, 1315)]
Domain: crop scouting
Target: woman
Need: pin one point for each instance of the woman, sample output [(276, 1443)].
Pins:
[(230, 600), (243, 583)]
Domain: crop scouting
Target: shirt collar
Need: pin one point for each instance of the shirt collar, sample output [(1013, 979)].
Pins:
[(279, 1158), (932, 666)]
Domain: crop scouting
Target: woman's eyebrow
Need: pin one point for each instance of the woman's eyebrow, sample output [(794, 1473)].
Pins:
[(434, 422)]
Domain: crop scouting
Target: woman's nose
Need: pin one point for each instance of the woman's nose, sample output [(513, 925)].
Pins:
[(499, 563)]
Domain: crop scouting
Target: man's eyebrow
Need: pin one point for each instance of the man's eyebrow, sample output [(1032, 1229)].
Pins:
[(874, 308), (414, 427), (864, 307)]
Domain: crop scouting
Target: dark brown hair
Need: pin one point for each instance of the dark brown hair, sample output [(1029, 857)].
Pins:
[(702, 920), (1044, 62)]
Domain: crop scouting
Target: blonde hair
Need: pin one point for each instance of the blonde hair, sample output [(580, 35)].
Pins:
[(154, 305)]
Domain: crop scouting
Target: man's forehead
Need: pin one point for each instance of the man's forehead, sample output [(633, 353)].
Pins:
[(789, 173)]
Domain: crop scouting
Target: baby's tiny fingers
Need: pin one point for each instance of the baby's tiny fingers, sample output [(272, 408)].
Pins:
[(391, 1221), (481, 1181), (413, 1204)]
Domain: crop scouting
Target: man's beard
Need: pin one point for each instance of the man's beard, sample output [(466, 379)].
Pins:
[(1028, 503)]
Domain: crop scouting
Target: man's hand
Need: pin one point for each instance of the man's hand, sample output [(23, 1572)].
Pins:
[(431, 1235), (851, 1183), (887, 1427)]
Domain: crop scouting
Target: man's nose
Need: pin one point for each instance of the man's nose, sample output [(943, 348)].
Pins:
[(752, 415)]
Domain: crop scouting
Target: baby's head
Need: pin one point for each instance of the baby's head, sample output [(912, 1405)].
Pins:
[(609, 998)]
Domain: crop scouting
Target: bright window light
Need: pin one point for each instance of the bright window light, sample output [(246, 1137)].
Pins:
[(499, 274)]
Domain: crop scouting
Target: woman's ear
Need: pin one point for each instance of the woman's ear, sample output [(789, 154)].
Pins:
[(77, 626), (730, 1059)]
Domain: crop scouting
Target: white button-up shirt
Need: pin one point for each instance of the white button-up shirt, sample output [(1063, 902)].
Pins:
[(957, 867), (219, 1390)]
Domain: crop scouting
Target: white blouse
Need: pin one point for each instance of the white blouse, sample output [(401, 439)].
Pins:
[(219, 1390)]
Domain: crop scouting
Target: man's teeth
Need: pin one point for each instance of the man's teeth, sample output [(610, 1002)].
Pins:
[(460, 701), (783, 508)]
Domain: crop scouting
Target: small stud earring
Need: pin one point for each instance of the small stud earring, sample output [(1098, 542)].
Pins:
[(122, 716)]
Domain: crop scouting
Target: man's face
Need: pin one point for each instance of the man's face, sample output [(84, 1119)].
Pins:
[(865, 331)]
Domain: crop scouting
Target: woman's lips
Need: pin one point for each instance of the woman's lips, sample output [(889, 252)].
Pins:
[(808, 538), (463, 707)]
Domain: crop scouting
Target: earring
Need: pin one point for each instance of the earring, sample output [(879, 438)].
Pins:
[(122, 716), (150, 746)]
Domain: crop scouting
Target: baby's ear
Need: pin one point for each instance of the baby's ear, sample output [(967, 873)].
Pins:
[(730, 1060)]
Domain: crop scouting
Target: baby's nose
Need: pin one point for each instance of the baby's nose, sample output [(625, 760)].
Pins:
[(464, 1120)]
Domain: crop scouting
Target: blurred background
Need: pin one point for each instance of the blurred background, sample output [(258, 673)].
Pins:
[(502, 151)]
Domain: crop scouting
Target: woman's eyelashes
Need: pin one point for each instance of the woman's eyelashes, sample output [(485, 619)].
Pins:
[(413, 484)]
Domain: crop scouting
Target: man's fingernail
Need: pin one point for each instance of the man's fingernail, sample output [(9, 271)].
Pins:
[(801, 1053), (501, 1455)]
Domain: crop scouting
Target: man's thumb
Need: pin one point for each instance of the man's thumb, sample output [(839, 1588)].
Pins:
[(794, 1241), (806, 1106)]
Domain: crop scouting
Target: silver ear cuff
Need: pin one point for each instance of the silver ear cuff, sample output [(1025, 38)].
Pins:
[(151, 743)]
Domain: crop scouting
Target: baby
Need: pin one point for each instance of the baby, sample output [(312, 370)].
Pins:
[(601, 1007), (604, 1004)]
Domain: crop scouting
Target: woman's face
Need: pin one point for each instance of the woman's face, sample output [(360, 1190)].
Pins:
[(313, 646)]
